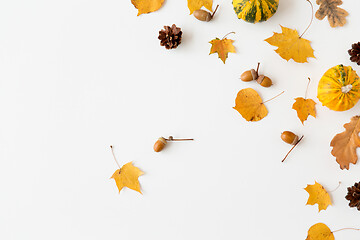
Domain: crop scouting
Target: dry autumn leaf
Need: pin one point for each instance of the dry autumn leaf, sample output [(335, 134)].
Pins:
[(250, 105), (291, 45), (336, 16), (318, 195), (345, 144), (222, 47), (320, 231), (194, 5), (127, 176), (304, 108), (147, 6)]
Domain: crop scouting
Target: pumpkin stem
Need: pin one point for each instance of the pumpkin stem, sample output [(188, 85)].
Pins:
[(112, 151), (227, 34), (312, 18), (346, 89)]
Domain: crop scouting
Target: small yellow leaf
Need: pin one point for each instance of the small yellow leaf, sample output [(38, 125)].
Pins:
[(318, 194), (304, 108), (290, 45), (222, 47), (250, 105), (127, 176), (320, 231), (194, 5), (147, 6)]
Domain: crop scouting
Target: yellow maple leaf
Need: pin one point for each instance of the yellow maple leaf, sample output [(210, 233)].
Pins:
[(250, 105), (304, 108), (291, 45), (320, 231), (194, 5), (127, 176), (222, 47), (147, 6), (318, 195)]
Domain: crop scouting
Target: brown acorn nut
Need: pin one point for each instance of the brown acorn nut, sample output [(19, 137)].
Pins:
[(264, 81), (203, 15), (249, 75), (289, 137), (161, 142)]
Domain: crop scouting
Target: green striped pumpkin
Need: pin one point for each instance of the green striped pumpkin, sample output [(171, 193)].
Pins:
[(254, 11)]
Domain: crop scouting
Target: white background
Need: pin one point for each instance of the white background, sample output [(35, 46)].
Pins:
[(79, 75)]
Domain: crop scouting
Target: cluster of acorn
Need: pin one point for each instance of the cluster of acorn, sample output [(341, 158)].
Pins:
[(252, 75)]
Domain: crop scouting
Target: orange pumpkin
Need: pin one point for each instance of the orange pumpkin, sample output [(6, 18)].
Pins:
[(339, 88)]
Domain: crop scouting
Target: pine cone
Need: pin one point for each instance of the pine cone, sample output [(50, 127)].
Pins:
[(170, 37), (355, 53), (353, 196)]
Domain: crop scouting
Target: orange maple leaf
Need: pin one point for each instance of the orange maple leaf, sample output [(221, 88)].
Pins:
[(304, 108), (222, 47)]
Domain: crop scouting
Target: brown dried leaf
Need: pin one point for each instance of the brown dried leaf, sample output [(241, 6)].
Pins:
[(336, 16), (344, 144)]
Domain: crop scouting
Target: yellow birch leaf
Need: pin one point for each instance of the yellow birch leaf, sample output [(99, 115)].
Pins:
[(127, 176), (320, 231), (318, 195), (304, 108), (290, 45), (222, 47), (147, 6), (250, 105), (194, 5)]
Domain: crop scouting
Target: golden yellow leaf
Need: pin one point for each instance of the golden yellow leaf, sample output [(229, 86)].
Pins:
[(250, 105), (194, 5), (222, 47), (318, 195), (147, 6), (320, 231), (304, 108), (290, 45), (345, 144), (127, 176)]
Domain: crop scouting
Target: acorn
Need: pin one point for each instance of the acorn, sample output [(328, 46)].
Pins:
[(249, 75), (161, 142), (203, 15), (289, 137), (264, 81), (292, 139), (253, 74)]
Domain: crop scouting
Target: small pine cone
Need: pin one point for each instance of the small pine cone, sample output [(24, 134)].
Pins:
[(354, 53), (353, 196), (170, 37)]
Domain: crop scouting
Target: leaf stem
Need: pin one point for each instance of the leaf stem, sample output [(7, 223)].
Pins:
[(307, 88), (292, 148), (312, 18), (273, 97), (357, 229), (336, 187), (112, 151), (228, 34), (212, 15)]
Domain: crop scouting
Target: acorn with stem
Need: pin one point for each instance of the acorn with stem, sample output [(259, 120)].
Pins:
[(161, 142), (251, 75), (203, 15), (292, 139)]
